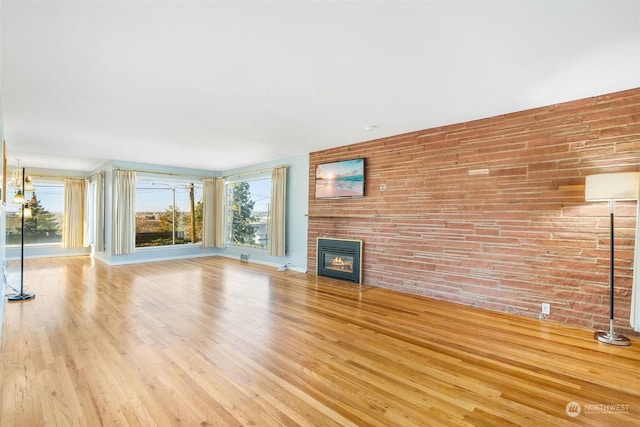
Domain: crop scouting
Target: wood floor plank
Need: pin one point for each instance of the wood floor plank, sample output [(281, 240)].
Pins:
[(213, 341)]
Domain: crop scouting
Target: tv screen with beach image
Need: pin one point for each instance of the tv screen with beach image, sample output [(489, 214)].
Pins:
[(340, 179)]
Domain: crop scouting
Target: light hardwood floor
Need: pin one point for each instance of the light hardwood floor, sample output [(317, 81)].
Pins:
[(213, 341)]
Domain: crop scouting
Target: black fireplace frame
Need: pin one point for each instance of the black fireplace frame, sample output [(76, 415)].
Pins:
[(352, 248)]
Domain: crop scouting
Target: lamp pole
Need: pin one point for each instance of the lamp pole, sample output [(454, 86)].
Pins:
[(22, 296), (612, 187)]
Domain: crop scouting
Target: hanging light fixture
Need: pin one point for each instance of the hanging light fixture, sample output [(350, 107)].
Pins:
[(21, 184), (16, 178)]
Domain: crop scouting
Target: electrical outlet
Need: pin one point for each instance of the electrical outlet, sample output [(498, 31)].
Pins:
[(546, 308)]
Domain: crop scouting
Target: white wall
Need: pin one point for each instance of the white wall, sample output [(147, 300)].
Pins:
[(144, 254), (296, 232), (3, 235), (54, 250), (297, 206), (296, 213), (3, 261)]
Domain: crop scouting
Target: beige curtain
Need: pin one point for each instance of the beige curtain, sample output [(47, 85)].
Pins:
[(219, 218), (99, 224), (208, 209), (277, 224), (87, 218), (213, 203), (75, 199), (124, 212)]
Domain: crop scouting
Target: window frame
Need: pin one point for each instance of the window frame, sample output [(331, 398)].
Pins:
[(12, 209), (234, 180), (176, 181)]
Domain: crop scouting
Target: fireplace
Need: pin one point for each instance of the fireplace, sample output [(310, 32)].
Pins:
[(340, 259)]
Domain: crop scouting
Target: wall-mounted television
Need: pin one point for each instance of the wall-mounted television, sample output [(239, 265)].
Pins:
[(342, 179)]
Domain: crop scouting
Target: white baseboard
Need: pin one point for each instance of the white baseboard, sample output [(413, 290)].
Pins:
[(154, 259), (267, 263)]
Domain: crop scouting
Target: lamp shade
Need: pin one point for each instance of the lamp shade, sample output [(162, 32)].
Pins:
[(19, 199), (612, 186), (28, 184)]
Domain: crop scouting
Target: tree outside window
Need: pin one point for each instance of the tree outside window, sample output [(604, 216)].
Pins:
[(45, 224), (248, 213), (241, 210)]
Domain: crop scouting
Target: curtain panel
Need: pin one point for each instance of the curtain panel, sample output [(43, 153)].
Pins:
[(213, 206), (219, 217), (75, 200), (124, 212), (208, 206), (99, 215), (277, 225)]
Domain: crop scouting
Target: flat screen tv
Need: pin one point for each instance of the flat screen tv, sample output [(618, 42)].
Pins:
[(343, 179)]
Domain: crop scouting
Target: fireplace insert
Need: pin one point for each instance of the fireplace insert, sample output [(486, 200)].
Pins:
[(340, 259)]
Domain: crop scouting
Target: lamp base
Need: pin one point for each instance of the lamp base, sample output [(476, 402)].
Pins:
[(608, 337), (21, 297)]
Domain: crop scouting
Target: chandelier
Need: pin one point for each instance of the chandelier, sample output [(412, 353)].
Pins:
[(21, 184), (16, 180)]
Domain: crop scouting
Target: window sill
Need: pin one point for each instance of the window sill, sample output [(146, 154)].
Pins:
[(37, 245), (245, 248), (167, 247)]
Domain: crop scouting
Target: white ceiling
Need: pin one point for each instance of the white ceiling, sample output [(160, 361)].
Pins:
[(219, 85)]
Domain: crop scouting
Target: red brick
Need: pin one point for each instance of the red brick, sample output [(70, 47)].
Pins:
[(504, 241)]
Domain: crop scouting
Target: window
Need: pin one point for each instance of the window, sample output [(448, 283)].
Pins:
[(47, 210), (168, 211), (248, 212)]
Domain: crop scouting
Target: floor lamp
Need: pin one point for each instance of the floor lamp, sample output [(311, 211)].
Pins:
[(25, 211), (612, 187)]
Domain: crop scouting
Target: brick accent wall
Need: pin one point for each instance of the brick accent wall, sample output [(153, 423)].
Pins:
[(491, 213)]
